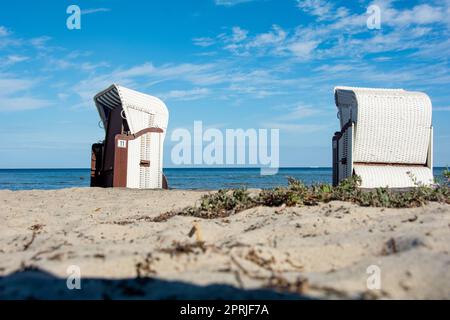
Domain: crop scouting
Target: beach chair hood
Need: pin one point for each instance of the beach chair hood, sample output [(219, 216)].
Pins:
[(140, 110)]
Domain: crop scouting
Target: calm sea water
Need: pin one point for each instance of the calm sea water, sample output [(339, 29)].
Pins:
[(183, 178)]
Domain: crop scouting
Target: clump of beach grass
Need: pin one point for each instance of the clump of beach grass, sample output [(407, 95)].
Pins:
[(447, 175), (298, 194), (224, 203), (220, 204)]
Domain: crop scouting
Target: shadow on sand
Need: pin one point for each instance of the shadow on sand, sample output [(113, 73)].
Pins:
[(38, 284)]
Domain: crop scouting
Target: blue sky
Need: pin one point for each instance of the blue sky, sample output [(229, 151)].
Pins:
[(230, 63)]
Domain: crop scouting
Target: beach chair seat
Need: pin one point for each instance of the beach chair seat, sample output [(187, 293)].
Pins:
[(386, 137), (131, 154)]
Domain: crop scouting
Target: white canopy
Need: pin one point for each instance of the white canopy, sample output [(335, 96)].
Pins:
[(141, 110)]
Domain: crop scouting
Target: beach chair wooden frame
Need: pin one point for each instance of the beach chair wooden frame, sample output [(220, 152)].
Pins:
[(386, 137)]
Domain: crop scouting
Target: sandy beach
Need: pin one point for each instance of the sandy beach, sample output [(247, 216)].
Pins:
[(320, 251)]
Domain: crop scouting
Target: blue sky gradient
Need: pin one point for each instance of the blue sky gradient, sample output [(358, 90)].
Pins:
[(230, 63)]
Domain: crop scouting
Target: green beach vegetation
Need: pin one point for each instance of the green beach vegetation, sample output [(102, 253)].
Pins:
[(224, 203)]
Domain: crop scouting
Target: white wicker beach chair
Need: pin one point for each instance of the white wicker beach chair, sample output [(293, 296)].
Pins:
[(132, 153), (386, 137)]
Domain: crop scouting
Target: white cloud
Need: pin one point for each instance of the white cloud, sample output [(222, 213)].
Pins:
[(16, 58), (255, 91), (288, 120), (303, 49), (297, 128), (300, 112), (88, 66), (14, 94), (186, 95), (239, 34), (228, 80), (95, 10), (72, 60), (147, 75), (276, 42), (240, 43), (12, 60), (436, 50), (420, 15), (62, 96), (11, 104), (320, 8), (334, 68), (441, 109), (10, 86), (3, 31), (344, 34), (40, 42), (7, 40), (276, 36), (230, 3), (203, 41)]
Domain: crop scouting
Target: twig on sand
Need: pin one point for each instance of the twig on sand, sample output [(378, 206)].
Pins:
[(30, 242), (184, 248), (245, 271), (279, 283), (35, 229), (50, 250), (197, 231), (145, 268), (275, 281)]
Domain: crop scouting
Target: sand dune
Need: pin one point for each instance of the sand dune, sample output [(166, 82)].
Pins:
[(316, 252)]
